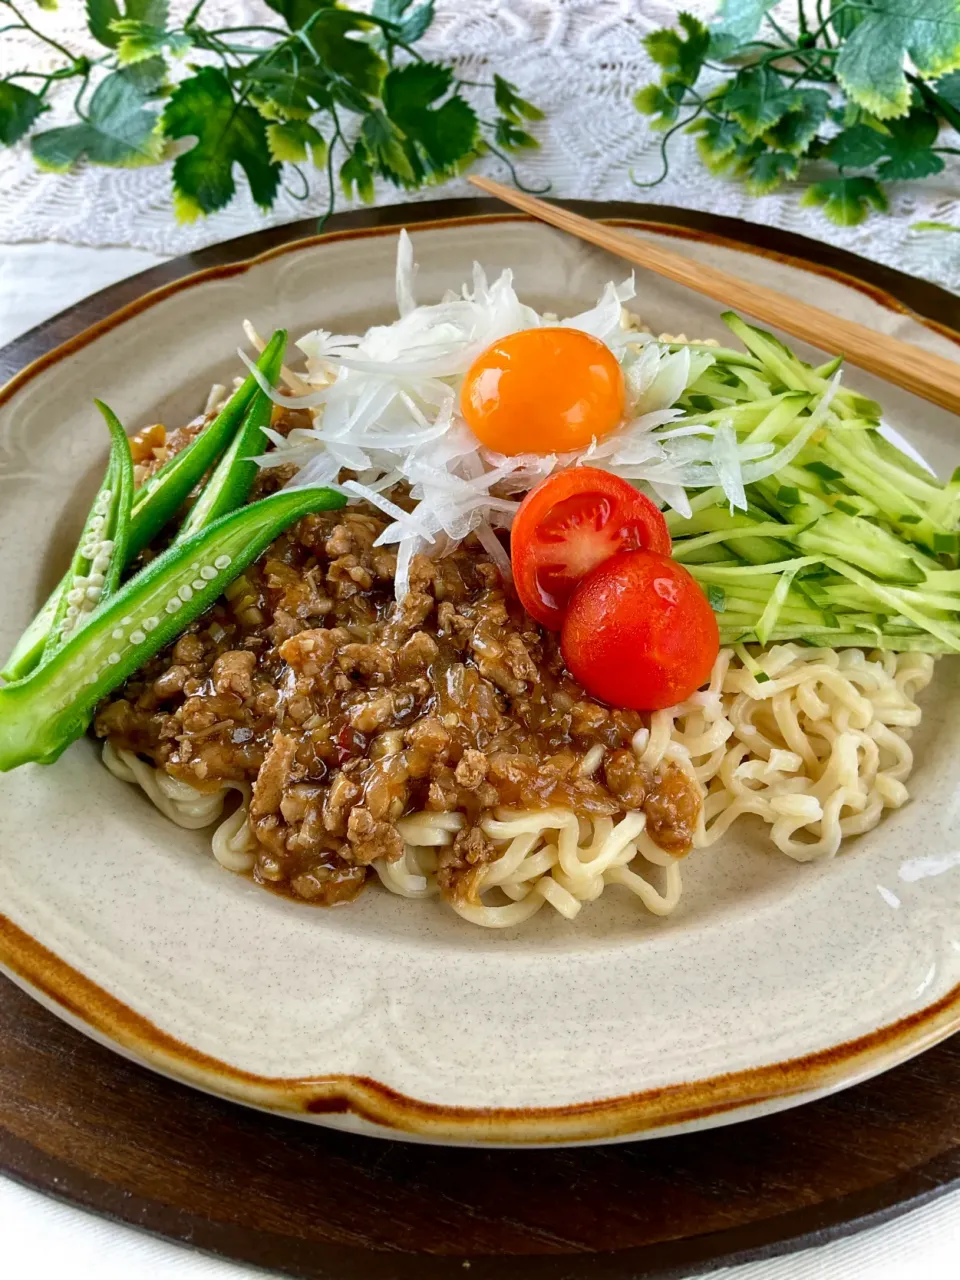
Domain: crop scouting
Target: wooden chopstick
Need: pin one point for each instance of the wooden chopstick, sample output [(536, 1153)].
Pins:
[(931, 376)]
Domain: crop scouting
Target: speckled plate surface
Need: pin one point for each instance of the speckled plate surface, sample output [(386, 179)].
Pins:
[(772, 983)]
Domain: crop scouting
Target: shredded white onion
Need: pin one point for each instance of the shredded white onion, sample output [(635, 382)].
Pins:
[(385, 407)]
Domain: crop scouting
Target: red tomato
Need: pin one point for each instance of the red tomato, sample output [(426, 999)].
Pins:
[(639, 632), (570, 523)]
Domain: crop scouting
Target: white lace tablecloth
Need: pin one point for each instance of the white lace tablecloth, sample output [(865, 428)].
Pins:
[(580, 60)]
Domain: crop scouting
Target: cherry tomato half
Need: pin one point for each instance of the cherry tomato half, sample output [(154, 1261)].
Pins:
[(639, 632), (570, 523)]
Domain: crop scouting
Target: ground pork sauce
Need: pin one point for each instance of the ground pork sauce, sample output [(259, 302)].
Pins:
[(347, 710)]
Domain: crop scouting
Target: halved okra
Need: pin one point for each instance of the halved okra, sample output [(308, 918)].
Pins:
[(41, 715), (159, 499)]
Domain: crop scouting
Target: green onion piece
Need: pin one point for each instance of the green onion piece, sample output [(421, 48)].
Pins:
[(716, 598), (788, 495), (768, 619), (824, 470), (102, 551), (41, 715), (154, 504)]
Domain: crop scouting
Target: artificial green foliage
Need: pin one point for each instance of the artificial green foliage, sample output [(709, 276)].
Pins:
[(861, 87), (317, 84)]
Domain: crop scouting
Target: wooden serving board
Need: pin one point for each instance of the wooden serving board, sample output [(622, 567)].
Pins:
[(84, 1124)]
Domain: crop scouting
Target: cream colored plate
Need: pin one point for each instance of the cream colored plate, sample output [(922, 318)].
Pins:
[(773, 981)]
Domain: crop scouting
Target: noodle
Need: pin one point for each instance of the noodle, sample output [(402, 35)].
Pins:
[(811, 741)]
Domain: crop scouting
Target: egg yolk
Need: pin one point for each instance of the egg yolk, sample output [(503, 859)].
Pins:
[(543, 391)]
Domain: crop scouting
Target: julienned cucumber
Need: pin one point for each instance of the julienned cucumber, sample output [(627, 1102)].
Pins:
[(852, 543)]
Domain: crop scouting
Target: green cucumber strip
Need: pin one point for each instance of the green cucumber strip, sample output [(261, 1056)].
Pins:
[(764, 573), (895, 602), (718, 554), (828, 638), (744, 416), (782, 415), (41, 715), (682, 548), (862, 544), (102, 550)]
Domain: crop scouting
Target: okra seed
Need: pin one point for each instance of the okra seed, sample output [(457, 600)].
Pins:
[(114, 659), (208, 572), (125, 622), (117, 633), (173, 605), (151, 624), (93, 593), (137, 637), (222, 562), (198, 584), (185, 593)]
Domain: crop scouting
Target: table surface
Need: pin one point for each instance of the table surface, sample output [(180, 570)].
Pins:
[(45, 1238)]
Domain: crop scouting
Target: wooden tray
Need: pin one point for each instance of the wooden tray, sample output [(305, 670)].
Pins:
[(83, 1124)]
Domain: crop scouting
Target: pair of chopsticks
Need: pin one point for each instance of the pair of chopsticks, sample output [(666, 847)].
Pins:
[(931, 376)]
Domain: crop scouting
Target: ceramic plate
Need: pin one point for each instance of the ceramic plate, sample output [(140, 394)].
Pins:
[(772, 983)]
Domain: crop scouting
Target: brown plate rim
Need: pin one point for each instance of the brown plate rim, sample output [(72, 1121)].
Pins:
[(40, 970), (809, 1227)]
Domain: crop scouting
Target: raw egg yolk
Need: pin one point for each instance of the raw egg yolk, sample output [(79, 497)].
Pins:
[(543, 391)]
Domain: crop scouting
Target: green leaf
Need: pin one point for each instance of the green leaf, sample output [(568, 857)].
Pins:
[(758, 99), (354, 68), (680, 56), (870, 65), (18, 110), (844, 16), (102, 13), (904, 148), (768, 170), (140, 41), (227, 133), (118, 131), (846, 201), (717, 142), (855, 148), (286, 85), (292, 140), (660, 101), (441, 135), (49, 5), (510, 104), (737, 23), (297, 13), (356, 172), (507, 135), (385, 150), (149, 77), (933, 226), (409, 29), (798, 128), (944, 98)]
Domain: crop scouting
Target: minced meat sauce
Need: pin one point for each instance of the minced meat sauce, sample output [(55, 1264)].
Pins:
[(346, 710)]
